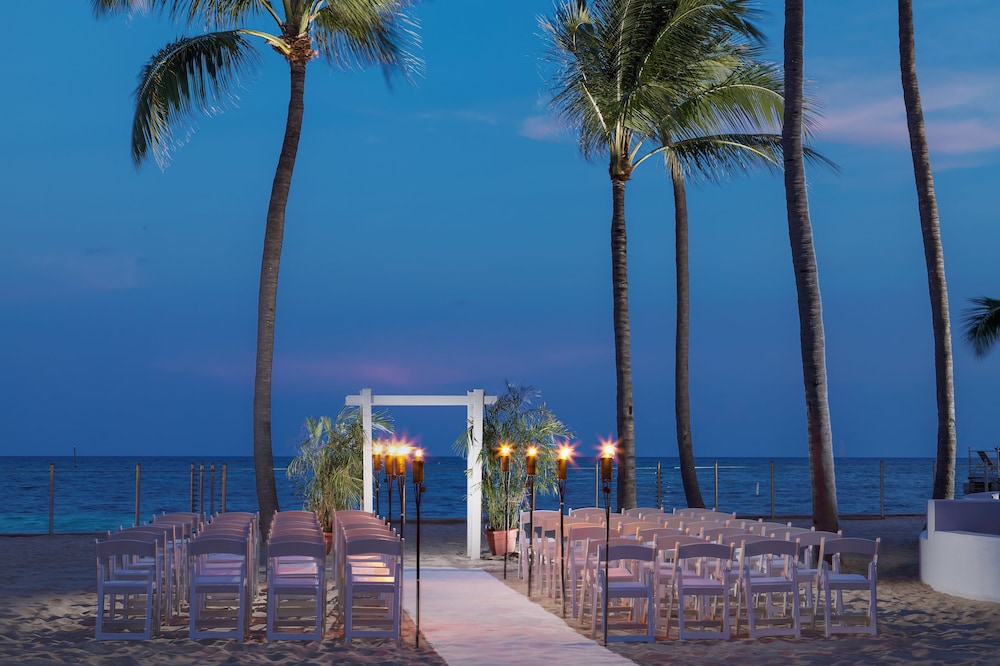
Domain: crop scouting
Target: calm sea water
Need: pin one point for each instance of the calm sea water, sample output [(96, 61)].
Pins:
[(99, 493)]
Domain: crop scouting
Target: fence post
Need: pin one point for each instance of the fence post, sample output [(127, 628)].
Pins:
[(211, 488), (772, 489), (716, 507), (659, 486), (52, 498), (138, 485), (201, 490), (191, 486), (881, 488), (223, 502), (597, 484)]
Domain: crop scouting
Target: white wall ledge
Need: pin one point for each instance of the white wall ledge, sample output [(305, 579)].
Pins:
[(960, 549)]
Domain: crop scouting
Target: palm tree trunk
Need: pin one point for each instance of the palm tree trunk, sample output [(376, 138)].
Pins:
[(682, 399), (267, 495), (824, 491), (623, 343), (930, 228)]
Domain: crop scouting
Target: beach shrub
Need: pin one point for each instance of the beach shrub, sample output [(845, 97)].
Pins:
[(328, 472)]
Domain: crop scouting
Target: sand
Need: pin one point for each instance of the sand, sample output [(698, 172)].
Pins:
[(48, 604)]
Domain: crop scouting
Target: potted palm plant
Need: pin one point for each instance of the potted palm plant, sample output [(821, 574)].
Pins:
[(327, 474), (518, 420)]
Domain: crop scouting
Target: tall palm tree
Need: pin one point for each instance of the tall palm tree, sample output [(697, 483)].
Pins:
[(981, 325), (618, 65), (930, 228), (730, 127), (720, 130), (193, 72), (811, 336)]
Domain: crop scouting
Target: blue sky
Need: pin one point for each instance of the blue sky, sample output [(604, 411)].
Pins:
[(448, 236)]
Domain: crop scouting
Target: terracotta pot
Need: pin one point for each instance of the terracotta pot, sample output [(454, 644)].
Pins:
[(328, 536), (502, 542)]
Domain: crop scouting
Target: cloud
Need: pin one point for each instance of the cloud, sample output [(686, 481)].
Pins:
[(960, 113), (540, 128), (93, 269), (422, 373)]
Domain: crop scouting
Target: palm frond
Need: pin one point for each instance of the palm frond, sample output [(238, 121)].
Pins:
[(193, 72), (620, 65), (360, 33), (203, 14), (981, 325)]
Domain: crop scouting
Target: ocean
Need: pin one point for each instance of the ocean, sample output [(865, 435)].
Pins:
[(101, 493)]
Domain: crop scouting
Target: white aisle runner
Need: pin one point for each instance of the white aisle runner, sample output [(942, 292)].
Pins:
[(470, 617)]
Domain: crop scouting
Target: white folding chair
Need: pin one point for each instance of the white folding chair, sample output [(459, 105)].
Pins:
[(373, 591), (296, 587), (220, 587), (711, 562), (639, 589), (810, 555), (580, 536), (835, 579), (779, 576), (127, 597)]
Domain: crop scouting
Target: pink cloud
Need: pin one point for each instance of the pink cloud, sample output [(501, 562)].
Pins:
[(960, 113)]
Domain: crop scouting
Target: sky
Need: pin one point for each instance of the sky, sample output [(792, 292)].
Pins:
[(448, 235)]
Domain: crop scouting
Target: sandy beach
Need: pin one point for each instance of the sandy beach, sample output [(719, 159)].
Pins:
[(48, 589)]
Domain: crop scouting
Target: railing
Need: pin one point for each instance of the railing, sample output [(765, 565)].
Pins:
[(92, 500)]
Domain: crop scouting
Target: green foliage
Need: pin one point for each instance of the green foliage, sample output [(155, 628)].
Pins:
[(981, 325), (203, 72), (329, 469), (514, 419)]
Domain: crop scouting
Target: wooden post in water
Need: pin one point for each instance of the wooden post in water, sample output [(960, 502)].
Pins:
[(597, 484), (223, 501), (138, 485), (881, 488), (201, 491), (716, 507), (52, 498), (191, 486), (772, 489), (211, 489), (659, 486)]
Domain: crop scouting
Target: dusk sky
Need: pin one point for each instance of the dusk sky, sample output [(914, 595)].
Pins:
[(447, 236)]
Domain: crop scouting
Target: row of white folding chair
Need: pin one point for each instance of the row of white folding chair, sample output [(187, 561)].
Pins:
[(769, 566), (704, 514), (371, 580), (127, 595), (542, 553), (223, 576), (168, 539), (186, 525), (343, 522), (296, 577)]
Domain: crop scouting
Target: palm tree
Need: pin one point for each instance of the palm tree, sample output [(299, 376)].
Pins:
[(813, 346), (714, 133), (618, 65), (981, 325), (930, 228), (193, 72)]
